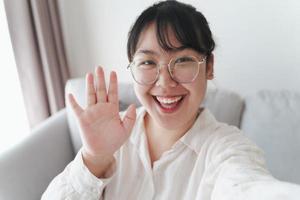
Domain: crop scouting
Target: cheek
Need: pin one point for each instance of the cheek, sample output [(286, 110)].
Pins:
[(197, 91), (141, 93)]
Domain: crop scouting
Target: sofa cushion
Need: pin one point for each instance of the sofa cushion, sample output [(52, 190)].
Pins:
[(227, 106), (272, 120)]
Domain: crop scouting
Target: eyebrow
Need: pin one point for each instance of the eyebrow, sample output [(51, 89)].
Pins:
[(145, 51), (151, 52)]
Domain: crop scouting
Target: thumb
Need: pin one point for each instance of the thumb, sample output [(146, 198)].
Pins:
[(129, 119)]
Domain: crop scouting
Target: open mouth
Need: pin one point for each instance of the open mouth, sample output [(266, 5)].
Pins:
[(169, 104)]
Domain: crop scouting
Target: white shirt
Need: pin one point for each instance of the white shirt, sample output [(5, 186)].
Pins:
[(211, 161)]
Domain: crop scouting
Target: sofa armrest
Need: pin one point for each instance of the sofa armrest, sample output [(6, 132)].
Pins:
[(27, 168)]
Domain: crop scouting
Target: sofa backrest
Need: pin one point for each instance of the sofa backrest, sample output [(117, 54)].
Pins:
[(272, 120), (226, 106)]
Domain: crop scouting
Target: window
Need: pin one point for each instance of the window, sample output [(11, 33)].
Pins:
[(14, 124)]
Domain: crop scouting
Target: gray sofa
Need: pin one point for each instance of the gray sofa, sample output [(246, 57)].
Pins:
[(270, 118)]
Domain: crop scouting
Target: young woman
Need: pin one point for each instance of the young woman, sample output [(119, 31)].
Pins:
[(170, 148)]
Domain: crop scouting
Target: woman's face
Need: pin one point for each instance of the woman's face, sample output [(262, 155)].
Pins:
[(169, 104)]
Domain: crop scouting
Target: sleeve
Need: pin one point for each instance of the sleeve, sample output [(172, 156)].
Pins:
[(238, 172), (77, 182)]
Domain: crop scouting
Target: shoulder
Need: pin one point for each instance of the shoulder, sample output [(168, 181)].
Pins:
[(209, 134), (220, 133), (222, 138), (228, 144)]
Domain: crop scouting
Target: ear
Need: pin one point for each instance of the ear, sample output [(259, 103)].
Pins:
[(210, 67)]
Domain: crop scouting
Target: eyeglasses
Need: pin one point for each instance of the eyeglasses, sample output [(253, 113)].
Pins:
[(183, 69)]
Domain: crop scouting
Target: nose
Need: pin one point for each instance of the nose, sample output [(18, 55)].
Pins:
[(164, 78)]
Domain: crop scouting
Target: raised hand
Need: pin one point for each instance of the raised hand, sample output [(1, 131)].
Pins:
[(102, 130)]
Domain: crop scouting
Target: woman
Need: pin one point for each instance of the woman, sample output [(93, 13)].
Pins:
[(169, 148)]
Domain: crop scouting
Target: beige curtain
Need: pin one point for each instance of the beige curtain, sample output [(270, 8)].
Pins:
[(37, 42)]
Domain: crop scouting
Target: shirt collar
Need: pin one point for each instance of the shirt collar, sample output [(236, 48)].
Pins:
[(203, 126), (193, 138)]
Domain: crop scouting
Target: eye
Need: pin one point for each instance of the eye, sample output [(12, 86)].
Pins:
[(146, 64)]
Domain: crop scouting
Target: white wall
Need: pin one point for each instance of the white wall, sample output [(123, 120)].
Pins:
[(258, 43)]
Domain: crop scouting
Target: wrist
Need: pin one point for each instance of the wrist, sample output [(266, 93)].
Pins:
[(98, 165)]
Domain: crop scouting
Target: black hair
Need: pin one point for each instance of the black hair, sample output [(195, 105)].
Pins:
[(189, 25)]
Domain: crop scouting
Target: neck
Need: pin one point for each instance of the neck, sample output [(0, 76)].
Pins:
[(161, 139)]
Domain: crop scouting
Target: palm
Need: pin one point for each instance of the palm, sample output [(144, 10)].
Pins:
[(105, 128), (101, 128)]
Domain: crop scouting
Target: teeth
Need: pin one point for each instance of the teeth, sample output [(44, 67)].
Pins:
[(168, 100)]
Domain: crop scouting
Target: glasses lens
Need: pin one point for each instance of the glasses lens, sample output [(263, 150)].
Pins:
[(144, 72), (185, 69)]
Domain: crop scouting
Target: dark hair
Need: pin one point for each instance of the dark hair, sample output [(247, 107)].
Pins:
[(189, 25)]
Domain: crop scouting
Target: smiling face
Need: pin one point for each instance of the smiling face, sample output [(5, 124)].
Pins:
[(170, 105)]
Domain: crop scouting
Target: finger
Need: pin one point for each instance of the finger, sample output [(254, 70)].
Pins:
[(129, 119), (113, 89), (100, 86), (90, 89), (74, 105)]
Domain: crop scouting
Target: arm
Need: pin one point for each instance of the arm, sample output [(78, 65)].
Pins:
[(77, 182), (239, 172), (102, 132)]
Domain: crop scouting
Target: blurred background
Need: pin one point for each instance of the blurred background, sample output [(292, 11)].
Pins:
[(45, 43), (258, 41)]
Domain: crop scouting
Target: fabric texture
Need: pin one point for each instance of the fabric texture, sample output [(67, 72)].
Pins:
[(271, 118), (37, 42), (212, 161)]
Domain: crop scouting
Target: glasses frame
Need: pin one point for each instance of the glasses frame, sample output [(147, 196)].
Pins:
[(169, 70)]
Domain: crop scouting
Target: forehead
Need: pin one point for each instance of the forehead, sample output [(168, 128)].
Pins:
[(148, 40), (148, 44)]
